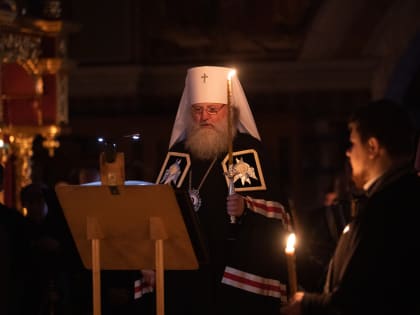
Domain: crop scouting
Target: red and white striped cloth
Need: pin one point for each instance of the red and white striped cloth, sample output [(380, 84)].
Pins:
[(269, 209), (141, 288), (254, 283)]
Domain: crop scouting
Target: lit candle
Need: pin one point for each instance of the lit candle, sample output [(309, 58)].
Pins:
[(229, 118), (230, 172), (291, 263)]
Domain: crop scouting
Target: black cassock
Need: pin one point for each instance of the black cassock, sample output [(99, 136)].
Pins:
[(247, 272)]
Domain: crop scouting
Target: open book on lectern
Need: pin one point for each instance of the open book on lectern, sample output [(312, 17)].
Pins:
[(124, 214)]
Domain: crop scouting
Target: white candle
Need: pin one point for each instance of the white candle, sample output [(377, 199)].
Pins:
[(291, 263), (229, 119), (230, 173)]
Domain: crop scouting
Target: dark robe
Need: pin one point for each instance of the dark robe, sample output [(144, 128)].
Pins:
[(255, 250), (375, 268)]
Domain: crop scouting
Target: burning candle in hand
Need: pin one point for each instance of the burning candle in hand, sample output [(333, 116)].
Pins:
[(291, 263), (229, 105), (230, 172)]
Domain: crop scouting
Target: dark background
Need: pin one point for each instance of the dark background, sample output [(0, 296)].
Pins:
[(304, 66)]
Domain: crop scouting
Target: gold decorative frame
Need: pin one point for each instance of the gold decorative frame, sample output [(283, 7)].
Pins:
[(171, 159), (256, 162)]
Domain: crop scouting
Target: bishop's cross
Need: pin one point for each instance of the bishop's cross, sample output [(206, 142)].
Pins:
[(204, 77)]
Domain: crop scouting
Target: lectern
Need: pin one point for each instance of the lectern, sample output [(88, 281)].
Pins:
[(146, 226)]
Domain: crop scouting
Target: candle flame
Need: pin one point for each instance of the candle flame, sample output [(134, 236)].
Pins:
[(291, 240), (231, 74)]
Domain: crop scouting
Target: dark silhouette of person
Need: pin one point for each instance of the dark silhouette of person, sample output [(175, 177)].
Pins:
[(13, 248), (321, 228), (53, 256)]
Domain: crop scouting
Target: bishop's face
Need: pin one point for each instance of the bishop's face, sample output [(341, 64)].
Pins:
[(208, 114), (207, 133), (358, 154)]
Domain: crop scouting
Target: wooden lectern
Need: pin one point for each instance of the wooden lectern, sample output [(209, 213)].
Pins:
[(133, 227)]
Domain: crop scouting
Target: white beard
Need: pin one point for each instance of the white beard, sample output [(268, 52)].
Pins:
[(207, 143)]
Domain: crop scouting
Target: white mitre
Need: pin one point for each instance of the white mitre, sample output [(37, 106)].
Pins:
[(208, 84)]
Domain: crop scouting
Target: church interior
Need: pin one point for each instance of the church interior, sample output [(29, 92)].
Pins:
[(76, 71), (73, 71)]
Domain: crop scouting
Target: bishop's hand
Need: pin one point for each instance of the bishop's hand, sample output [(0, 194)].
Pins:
[(235, 205)]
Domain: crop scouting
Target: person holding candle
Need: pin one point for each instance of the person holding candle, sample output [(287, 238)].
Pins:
[(213, 130), (322, 228), (376, 263)]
